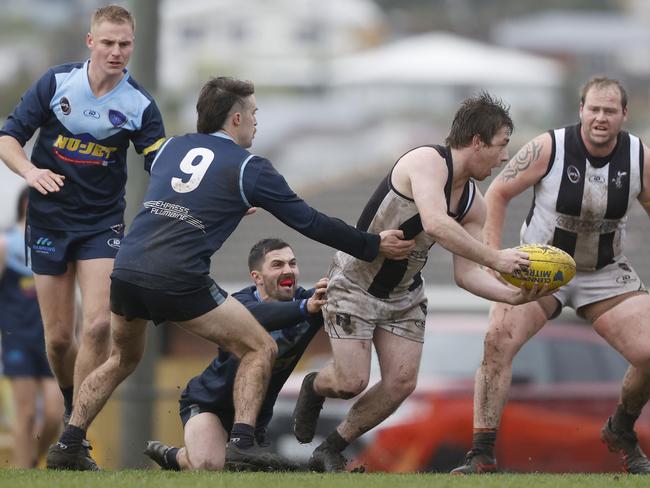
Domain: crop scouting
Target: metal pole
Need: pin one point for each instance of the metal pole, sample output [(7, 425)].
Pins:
[(138, 392)]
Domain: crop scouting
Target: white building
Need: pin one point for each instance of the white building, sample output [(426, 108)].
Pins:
[(273, 42)]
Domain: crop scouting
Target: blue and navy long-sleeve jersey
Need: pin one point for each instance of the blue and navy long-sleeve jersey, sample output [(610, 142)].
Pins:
[(200, 188), (291, 326), (85, 139)]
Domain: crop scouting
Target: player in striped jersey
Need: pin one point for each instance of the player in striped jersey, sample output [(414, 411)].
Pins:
[(430, 195), (585, 178)]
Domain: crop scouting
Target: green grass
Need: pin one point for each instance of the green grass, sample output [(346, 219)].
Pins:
[(11, 478)]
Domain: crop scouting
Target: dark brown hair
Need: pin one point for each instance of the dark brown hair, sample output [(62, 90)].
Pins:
[(216, 99), (259, 251), (481, 115)]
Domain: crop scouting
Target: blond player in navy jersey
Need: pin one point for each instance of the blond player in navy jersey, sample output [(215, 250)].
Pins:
[(87, 115), (586, 177)]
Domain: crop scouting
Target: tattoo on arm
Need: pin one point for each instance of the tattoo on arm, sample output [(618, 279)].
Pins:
[(524, 158)]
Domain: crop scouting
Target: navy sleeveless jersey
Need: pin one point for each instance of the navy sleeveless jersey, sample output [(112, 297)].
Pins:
[(291, 328), (20, 318), (84, 138), (200, 188)]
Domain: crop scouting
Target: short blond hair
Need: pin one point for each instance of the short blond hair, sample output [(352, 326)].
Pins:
[(115, 14)]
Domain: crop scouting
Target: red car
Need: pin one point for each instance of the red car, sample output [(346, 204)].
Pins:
[(566, 382)]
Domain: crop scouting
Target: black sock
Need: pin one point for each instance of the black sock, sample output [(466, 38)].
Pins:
[(72, 437), (67, 399), (170, 459), (623, 421), (484, 441), (335, 442), (242, 435)]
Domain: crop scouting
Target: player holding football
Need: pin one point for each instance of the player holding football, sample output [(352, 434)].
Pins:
[(429, 194), (585, 177)]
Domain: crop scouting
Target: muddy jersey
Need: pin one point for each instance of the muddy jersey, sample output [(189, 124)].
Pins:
[(581, 204), (85, 139), (389, 209)]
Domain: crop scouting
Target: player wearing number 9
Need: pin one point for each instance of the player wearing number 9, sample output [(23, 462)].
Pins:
[(202, 184)]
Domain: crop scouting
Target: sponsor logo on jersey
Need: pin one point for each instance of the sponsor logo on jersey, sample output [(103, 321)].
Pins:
[(578, 225), (83, 151), (65, 106), (114, 242), (93, 114), (118, 228), (573, 174), (174, 211), (43, 245), (118, 119), (597, 179), (625, 279)]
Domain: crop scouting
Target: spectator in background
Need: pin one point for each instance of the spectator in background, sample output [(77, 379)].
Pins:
[(24, 360)]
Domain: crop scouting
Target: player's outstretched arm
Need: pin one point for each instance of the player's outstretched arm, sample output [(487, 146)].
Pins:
[(43, 180)]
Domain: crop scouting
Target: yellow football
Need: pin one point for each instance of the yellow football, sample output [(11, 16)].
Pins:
[(548, 266)]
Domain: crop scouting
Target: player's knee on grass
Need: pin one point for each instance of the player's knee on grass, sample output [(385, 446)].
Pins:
[(205, 462)]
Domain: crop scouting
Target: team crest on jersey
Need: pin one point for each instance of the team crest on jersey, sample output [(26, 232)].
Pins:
[(618, 179), (573, 174), (118, 119), (596, 179), (64, 103)]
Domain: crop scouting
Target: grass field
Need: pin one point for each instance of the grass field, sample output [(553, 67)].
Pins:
[(10, 478)]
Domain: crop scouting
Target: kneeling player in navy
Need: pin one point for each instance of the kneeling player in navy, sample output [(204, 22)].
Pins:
[(201, 186), (292, 315)]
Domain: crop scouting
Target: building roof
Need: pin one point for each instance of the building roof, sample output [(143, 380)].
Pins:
[(442, 58)]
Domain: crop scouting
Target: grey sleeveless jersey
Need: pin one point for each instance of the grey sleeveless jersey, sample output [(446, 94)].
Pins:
[(581, 204), (388, 209)]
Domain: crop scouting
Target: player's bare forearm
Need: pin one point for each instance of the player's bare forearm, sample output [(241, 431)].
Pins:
[(485, 284), (13, 155), (494, 220)]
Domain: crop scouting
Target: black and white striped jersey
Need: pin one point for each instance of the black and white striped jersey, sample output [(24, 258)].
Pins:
[(581, 204), (389, 209)]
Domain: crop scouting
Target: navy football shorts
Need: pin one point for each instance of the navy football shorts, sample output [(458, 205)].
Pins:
[(136, 302), (49, 251), (189, 410), (24, 358)]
